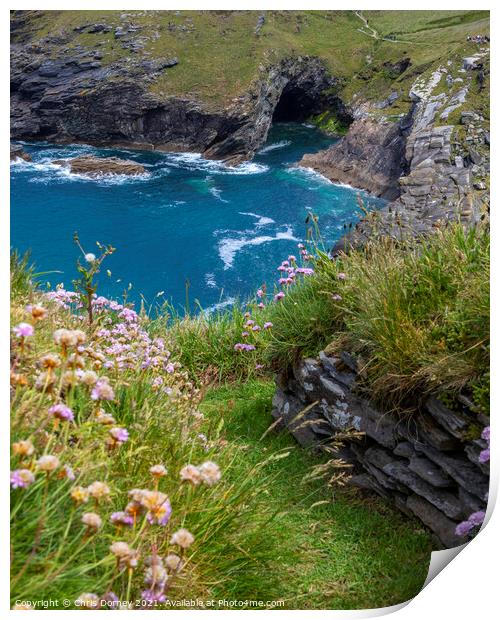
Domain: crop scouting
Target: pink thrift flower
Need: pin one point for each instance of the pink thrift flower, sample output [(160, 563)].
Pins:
[(21, 478), (279, 296), (161, 515), (102, 391), (484, 456), (119, 435), (122, 518), (62, 412), (23, 330)]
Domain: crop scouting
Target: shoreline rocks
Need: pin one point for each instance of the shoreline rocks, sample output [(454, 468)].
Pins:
[(369, 157), (17, 152), (97, 166), (79, 98)]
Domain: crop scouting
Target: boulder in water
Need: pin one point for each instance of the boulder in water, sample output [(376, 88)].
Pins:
[(17, 152), (97, 166)]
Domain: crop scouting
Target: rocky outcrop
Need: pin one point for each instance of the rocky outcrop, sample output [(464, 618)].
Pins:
[(293, 89), (426, 464), (371, 157), (75, 94), (429, 170), (98, 166), (17, 152)]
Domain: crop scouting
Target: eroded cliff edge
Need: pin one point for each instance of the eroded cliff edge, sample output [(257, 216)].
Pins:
[(431, 164), (64, 91)]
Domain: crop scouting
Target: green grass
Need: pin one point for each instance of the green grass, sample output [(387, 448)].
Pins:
[(52, 555), (415, 313), (317, 547), (220, 54), (335, 549)]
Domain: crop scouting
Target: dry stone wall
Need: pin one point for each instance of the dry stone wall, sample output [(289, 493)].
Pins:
[(426, 464)]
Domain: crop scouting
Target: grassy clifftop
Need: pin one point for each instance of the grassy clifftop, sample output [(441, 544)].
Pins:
[(220, 52)]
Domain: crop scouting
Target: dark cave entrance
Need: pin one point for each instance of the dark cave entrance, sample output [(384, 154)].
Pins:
[(295, 105)]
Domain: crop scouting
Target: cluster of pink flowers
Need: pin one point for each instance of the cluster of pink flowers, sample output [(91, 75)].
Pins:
[(243, 346), (122, 343), (23, 330), (289, 271), (484, 456), (471, 524)]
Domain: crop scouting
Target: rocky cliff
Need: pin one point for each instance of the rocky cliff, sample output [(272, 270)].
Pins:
[(66, 92), (213, 81), (371, 157), (432, 170)]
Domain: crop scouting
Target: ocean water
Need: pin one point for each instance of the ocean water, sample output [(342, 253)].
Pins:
[(188, 223)]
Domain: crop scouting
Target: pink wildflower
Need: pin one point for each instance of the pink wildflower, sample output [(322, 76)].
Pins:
[(61, 412), (102, 391), (118, 435), (23, 330), (21, 478)]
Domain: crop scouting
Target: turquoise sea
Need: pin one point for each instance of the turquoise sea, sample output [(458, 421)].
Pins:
[(189, 222)]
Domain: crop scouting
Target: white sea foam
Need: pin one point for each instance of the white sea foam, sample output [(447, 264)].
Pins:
[(48, 172), (262, 220), (230, 301), (210, 280), (273, 147), (314, 174), (195, 161), (229, 247), (217, 194), (309, 173)]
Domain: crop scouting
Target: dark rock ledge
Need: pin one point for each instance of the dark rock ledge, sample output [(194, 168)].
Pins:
[(98, 166), (426, 465), (17, 152)]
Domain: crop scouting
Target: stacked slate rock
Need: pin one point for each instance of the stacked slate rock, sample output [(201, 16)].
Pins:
[(426, 464)]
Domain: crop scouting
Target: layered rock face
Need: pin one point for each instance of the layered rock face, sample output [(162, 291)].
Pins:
[(426, 465), (430, 173), (293, 89), (77, 97), (371, 157), (97, 166)]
